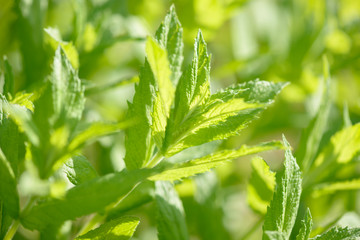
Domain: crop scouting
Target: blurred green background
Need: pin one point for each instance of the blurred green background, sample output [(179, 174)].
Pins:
[(274, 40)]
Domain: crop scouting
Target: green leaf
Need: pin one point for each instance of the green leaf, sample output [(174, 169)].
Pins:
[(343, 146), (169, 35), (193, 89), (306, 226), (8, 191), (94, 131), (281, 214), (8, 79), (261, 186), (339, 233), (79, 170), (118, 229), (332, 187), (67, 89), (89, 197), (11, 139), (224, 115), (170, 214), (274, 235), (159, 64), (311, 137), (203, 164)]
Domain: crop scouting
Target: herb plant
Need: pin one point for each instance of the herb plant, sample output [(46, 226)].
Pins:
[(173, 127)]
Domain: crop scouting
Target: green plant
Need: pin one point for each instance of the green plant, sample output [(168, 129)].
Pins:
[(172, 129)]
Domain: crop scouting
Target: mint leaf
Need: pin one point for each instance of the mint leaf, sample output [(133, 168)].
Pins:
[(311, 137), (159, 64), (79, 170), (274, 235), (281, 214), (261, 186), (169, 35), (332, 187), (193, 89), (67, 90), (170, 213), (118, 229), (224, 114), (306, 225), (8, 79), (203, 164), (339, 233), (89, 197), (8, 191)]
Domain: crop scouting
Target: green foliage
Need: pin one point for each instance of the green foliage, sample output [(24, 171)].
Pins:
[(75, 158), (281, 214), (171, 219), (120, 229)]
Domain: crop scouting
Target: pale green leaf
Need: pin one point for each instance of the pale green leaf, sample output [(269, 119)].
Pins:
[(343, 146), (261, 186), (332, 187), (169, 35), (67, 89), (79, 170), (203, 164), (281, 214), (193, 89), (8, 191), (339, 233), (159, 64), (311, 137), (95, 131), (89, 197), (224, 115), (118, 229), (170, 213), (306, 226)]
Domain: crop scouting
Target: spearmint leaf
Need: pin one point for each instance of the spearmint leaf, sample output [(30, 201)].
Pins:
[(332, 187), (67, 90), (170, 213), (8, 78), (281, 214), (159, 64), (225, 114), (89, 197), (8, 191), (306, 226), (193, 89), (79, 170), (310, 140), (11, 139), (274, 235), (261, 186), (343, 146), (94, 131), (339, 233), (138, 142), (169, 35), (203, 164), (118, 229)]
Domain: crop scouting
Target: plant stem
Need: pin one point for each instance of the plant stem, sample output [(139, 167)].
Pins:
[(12, 230), (252, 229), (155, 160)]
